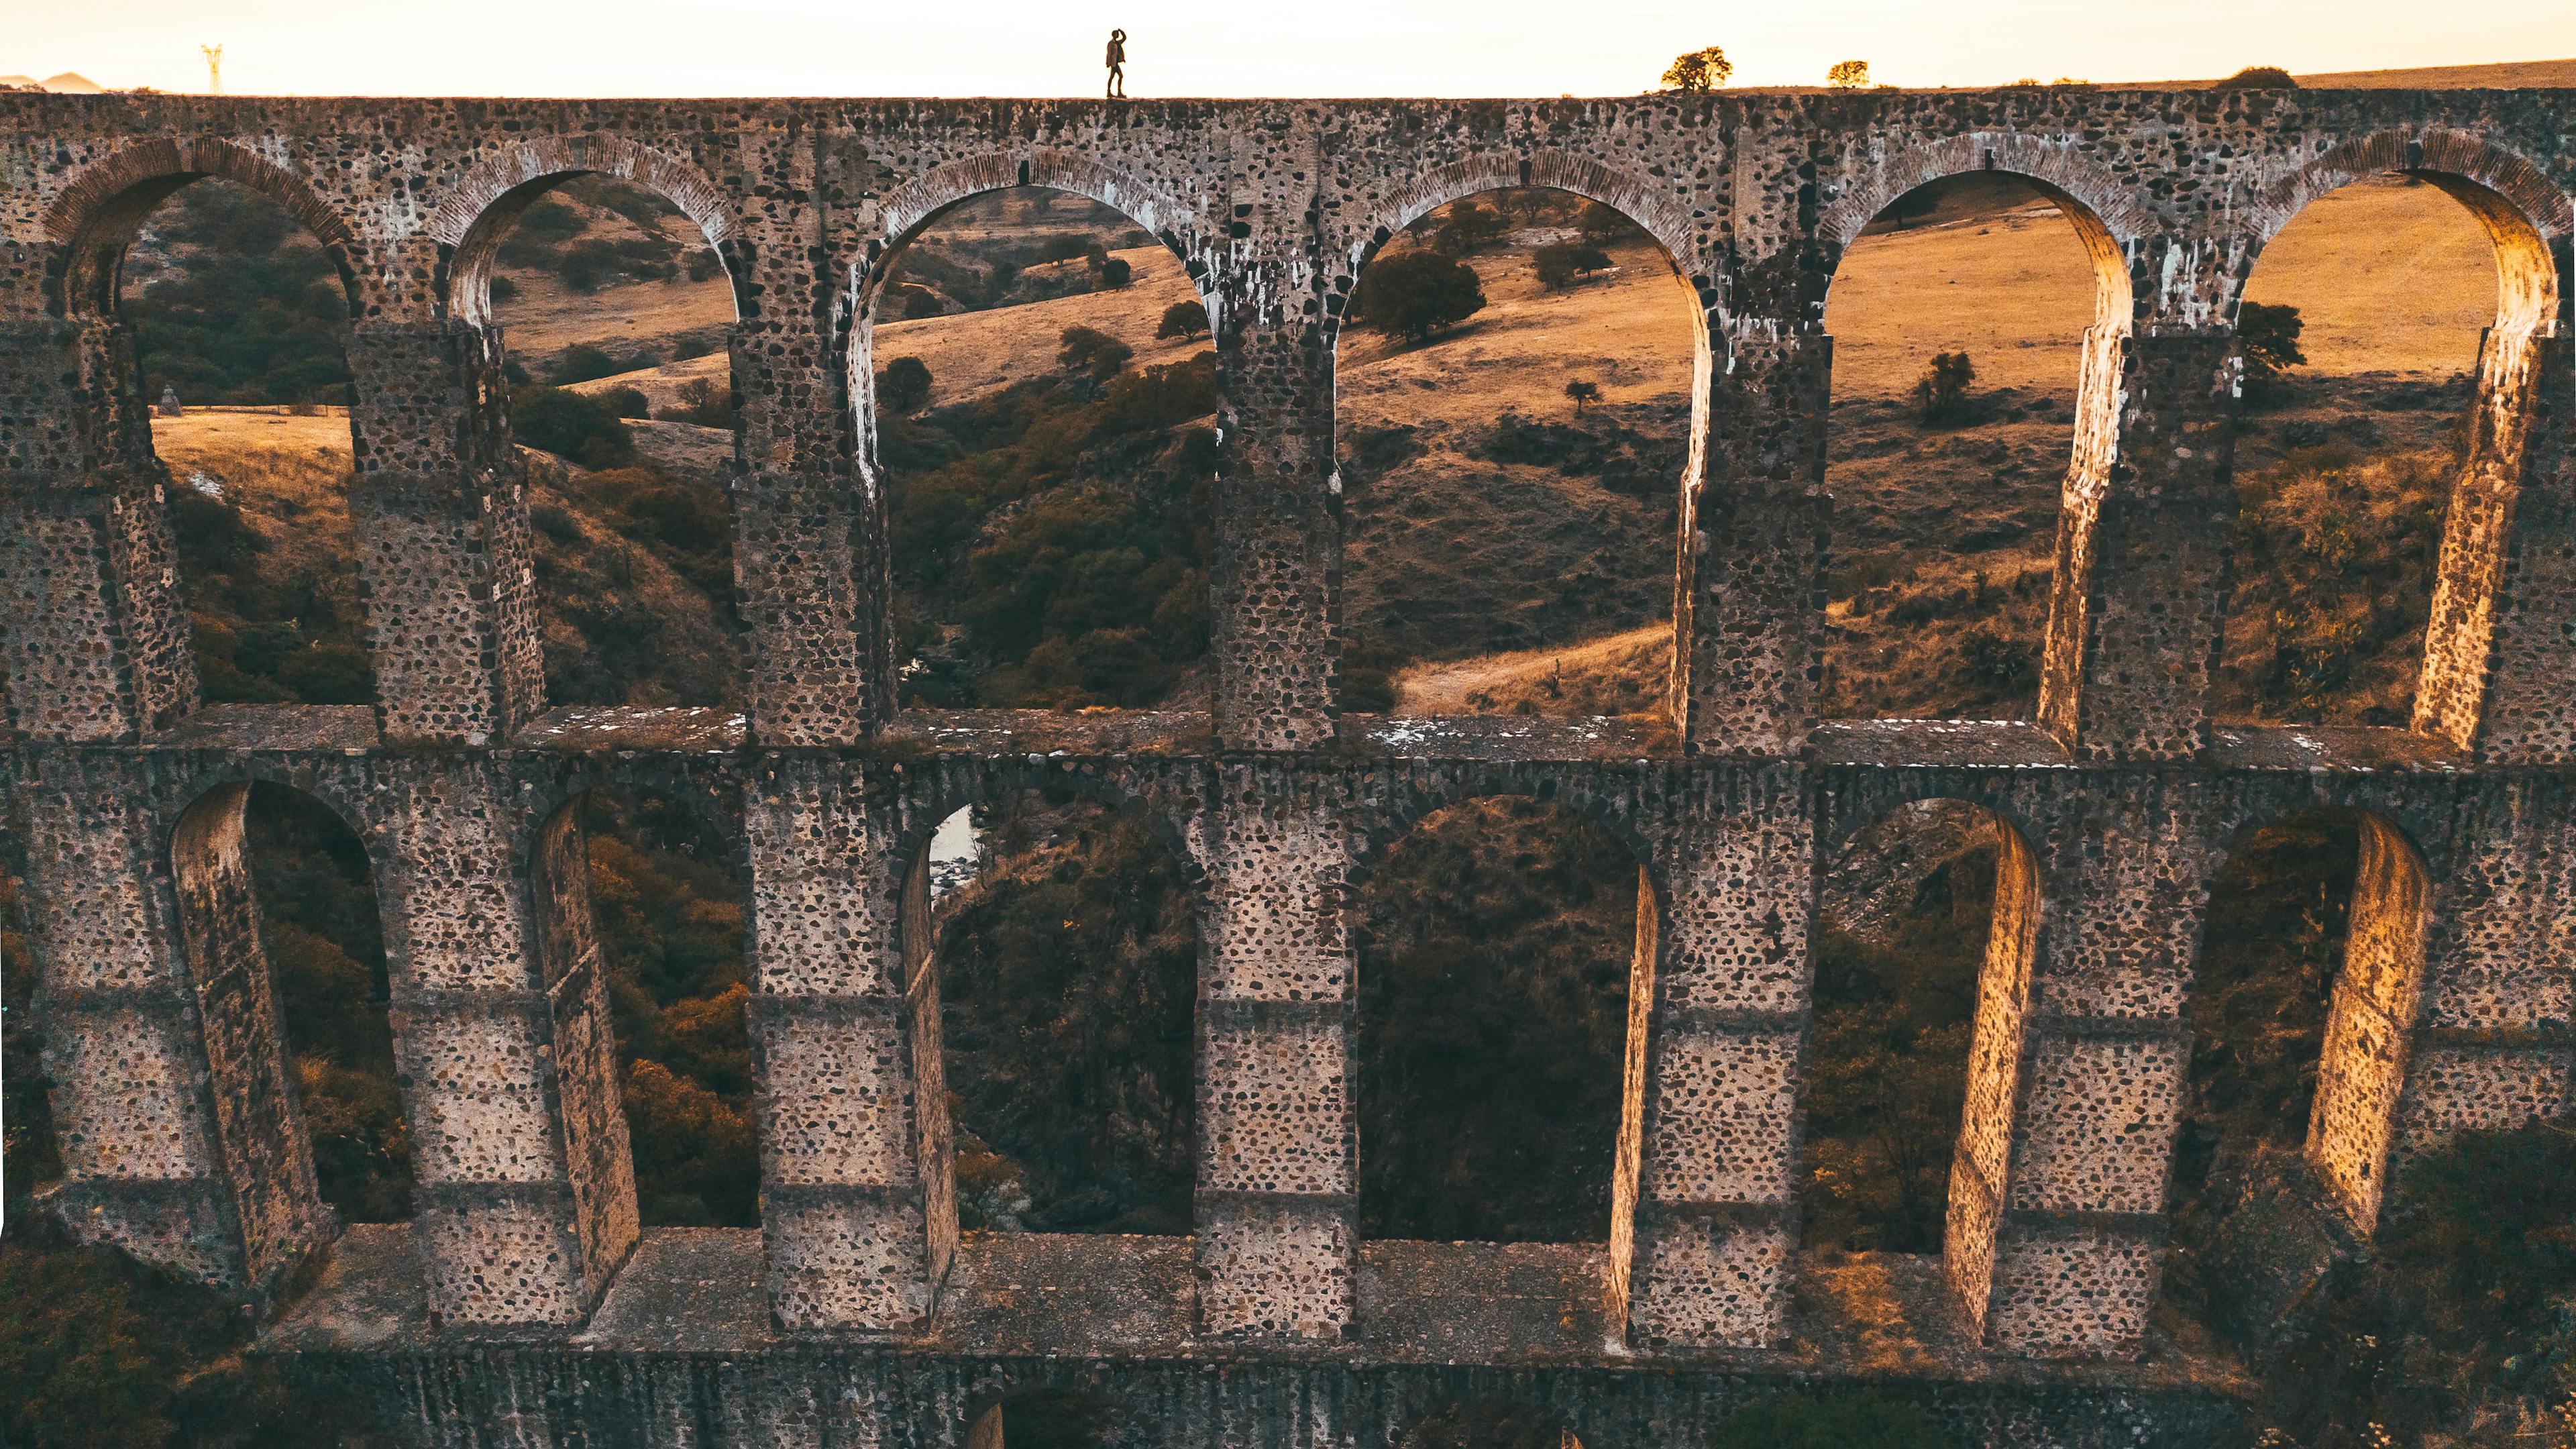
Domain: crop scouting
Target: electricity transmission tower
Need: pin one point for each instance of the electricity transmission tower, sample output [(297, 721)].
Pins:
[(214, 69)]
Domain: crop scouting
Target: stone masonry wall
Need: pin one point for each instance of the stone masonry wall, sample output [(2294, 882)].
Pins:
[(181, 1140)]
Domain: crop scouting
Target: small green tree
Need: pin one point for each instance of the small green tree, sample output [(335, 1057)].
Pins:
[(1187, 321), (903, 385), (1561, 263), (1941, 394), (1864, 1421), (2258, 78), (1584, 393), (1848, 75), (1697, 72), (1413, 294), (1091, 351), (2268, 336)]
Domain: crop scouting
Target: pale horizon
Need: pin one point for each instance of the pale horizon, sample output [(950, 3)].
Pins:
[(1333, 48)]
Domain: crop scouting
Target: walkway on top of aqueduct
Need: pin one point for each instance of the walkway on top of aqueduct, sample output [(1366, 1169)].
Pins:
[(524, 1306)]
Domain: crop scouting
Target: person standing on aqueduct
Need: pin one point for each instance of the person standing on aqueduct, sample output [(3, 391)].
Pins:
[(1118, 65)]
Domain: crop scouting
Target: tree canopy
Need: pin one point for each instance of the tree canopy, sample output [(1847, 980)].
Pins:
[(1697, 72)]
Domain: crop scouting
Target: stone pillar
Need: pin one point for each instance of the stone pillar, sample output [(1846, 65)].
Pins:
[(526, 1195), (2075, 1075), (857, 1199), (1277, 571), (93, 636), (170, 1091), (1277, 1197), (445, 564), (811, 554), (1748, 596), (2497, 652), (2489, 1046), (2143, 540), (1714, 1186)]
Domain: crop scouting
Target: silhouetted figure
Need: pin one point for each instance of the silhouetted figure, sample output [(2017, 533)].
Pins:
[(1118, 65)]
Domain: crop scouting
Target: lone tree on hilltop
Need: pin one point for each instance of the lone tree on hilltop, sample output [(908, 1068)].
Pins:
[(1941, 394), (1697, 72), (1416, 293), (2269, 338), (904, 385), (2258, 78), (1187, 321), (1584, 393), (1848, 75)]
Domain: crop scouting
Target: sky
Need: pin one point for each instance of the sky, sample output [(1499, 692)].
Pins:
[(1317, 48)]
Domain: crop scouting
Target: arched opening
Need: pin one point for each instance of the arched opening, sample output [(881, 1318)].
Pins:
[(1062, 977), (2303, 999), (1491, 1424), (2365, 326), (1906, 933), (278, 917), (237, 317), (1038, 386), (634, 886), (1498, 944), (1046, 1419), (613, 315), (1969, 319), (1514, 384)]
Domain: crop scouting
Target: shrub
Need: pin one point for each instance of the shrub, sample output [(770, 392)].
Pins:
[(570, 425), (1864, 1421), (704, 404), (1413, 294), (503, 289), (2258, 78), (903, 385), (1941, 394), (582, 362), (1115, 273), (1584, 393), (1560, 263), (1187, 321), (627, 402), (1093, 353), (2268, 338)]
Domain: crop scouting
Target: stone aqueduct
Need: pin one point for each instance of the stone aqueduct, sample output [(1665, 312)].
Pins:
[(524, 1306)]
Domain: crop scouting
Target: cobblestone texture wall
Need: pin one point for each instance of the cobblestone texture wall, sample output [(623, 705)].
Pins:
[(180, 1137)]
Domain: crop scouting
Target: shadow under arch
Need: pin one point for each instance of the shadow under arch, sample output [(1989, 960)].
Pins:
[(1981, 1157), (470, 223), (926, 930), (1488, 1423), (2372, 1009), (2529, 222), (95, 218), (264, 1150)]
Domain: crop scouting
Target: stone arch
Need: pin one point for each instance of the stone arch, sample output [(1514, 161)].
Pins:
[(2103, 210), (263, 1150), (1383, 826), (979, 1421), (94, 218), (480, 209), (2372, 1012), (713, 802), (1517, 1418), (981, 783), (912, 208), (2528, 221)]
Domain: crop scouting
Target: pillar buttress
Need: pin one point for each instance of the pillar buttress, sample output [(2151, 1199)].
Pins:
[(1706, 1186), (1276, 574), (1277, 1197), (858, 1207)]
